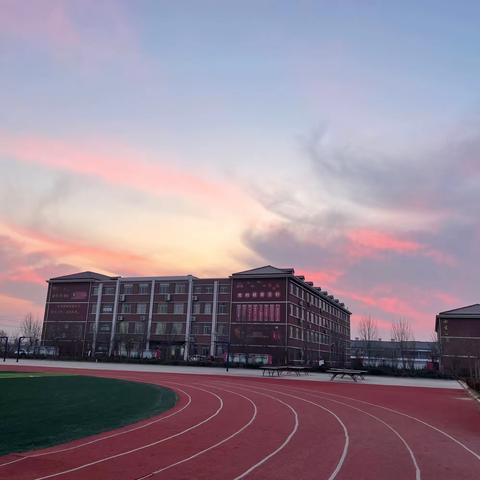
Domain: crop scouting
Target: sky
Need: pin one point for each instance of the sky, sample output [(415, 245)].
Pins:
[(206, 138)]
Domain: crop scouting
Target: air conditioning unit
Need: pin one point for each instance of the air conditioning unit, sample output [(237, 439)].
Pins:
[(193, 318), (143, 318), (122, 298), (195, 298), (119, 318)]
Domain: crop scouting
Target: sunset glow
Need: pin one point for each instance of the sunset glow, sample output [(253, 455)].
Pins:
[(153, 138)]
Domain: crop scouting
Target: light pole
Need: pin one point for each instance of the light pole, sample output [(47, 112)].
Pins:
[(18, 347), (5, 339)]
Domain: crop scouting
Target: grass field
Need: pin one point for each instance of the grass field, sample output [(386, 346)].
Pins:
[(40, 410)]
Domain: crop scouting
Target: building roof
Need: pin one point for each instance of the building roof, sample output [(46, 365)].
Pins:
[(470, 311), (82, 276), (267, 270)]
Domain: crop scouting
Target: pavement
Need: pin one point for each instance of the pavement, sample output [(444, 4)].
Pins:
[(235, 372)]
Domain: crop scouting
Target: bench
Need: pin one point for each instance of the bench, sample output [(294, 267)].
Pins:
[(271, 370), (353, 374)]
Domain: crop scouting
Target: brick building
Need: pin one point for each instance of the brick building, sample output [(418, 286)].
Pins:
[(458, 333), (266, 314)]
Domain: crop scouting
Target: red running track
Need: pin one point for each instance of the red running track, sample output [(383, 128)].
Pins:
[(265, 428)]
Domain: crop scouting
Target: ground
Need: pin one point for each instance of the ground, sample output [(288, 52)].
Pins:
[(233, 426)]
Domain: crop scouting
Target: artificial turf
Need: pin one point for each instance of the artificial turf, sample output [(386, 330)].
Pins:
[(41, 411)]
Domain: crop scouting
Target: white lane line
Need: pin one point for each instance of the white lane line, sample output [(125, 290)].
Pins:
[(284, 443), (410, 451), (345, 430), (476, 455), (101, 439), (226, 439), (133, 450)]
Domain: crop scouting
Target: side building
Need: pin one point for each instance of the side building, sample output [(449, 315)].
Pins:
[(458, 333), (264, 315)]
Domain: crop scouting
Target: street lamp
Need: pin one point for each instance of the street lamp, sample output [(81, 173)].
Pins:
[(18, 347), (5, 339)]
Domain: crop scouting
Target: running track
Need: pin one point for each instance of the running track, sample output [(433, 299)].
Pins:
[(229, 428)]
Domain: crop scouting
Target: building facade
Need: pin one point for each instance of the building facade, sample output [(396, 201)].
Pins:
[(458, 333), (264, 315), (399, 355)]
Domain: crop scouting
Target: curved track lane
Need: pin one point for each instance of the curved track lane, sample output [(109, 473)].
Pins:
[(261, 428)]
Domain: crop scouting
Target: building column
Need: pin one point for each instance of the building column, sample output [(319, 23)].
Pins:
[(189, 319), (97, 317), (114, 318), (213, 333), (150, 314)]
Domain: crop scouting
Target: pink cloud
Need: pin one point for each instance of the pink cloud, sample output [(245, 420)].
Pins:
[(120, 166), (81, 32), (368, 242), (372, 240), (322, 278)]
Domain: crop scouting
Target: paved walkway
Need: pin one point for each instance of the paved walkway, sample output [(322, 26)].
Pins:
[(240, 372)]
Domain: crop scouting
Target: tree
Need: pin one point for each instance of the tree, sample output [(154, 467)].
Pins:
[(402, 334), (368, 330), (31, 328)]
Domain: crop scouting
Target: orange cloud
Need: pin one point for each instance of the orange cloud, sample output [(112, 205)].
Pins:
[(61, 248)]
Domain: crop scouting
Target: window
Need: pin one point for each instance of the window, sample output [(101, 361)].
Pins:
[(109, 291), (262, 294), (196, 308), (197, 289), (178, 308), (269, 294), (177, 328), (104, 327), (142, 308), (254, 294), (180, 288), (224, 289), (122, 327), (239, 295), (222, 309), (221, 329), (160, 328), (139, 327), (128, 288), (162, 308), (126, 308), (144, 288), (277, 294), (107, 308), (207, 309), (95, 290), (164, 288), (207, 329), (208, 289), (93, 308)]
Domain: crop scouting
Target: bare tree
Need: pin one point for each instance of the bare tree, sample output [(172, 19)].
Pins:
[(402, 334), (31, 328), (368, 330)]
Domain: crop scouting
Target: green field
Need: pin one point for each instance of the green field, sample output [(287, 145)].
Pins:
[(39, 410)]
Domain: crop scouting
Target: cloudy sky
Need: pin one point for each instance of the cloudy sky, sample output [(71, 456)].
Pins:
[(156, 137)]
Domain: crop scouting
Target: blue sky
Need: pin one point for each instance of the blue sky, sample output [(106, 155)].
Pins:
[(340, 138)]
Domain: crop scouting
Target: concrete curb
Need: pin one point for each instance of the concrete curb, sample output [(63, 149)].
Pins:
[(470, 391)]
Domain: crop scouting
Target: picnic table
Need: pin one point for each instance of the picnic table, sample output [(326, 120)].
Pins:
[(353, 374), (271, 370)]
